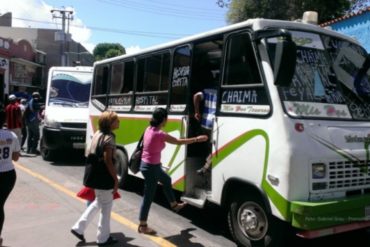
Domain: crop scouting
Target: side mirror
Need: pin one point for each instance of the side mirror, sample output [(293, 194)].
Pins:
[(285, 61)]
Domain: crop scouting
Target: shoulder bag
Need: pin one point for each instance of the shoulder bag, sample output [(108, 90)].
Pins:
[(96, 174), (135, 159)]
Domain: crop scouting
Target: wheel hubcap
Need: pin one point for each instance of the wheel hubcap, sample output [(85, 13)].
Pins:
[(252, 220)]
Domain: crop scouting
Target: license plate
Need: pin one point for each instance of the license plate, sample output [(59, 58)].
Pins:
[(78, 145)]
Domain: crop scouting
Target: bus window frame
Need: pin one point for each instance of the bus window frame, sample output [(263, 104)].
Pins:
[(154, 93), (187, 91), (131, 93), (101, 96), (263, 84)]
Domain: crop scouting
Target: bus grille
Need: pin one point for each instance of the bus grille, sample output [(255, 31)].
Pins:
[(347, 174)]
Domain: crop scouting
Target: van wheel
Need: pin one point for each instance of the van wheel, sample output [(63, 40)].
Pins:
[(121, 165), (46, 154), (249, 223)]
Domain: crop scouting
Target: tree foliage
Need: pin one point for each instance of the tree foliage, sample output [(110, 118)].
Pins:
[(108, 50), (240, 10)]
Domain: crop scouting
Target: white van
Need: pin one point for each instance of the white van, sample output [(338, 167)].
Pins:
[(66, 110)]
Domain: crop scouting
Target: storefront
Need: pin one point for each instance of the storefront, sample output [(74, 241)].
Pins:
[(4, 68)]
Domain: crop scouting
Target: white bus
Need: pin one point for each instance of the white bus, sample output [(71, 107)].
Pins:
[(66, 110), (291, 132)]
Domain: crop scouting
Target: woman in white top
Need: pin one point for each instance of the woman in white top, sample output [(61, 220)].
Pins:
[(9, 150)]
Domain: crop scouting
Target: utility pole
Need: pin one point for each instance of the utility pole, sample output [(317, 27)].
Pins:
[(64, 15)]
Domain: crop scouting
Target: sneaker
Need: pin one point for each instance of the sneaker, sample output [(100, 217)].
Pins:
[(109, 241), (79, 236)]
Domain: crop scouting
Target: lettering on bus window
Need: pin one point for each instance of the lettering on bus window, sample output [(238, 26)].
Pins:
[(246, 101), (314, 80), (120, 103), (146, 100), (180, 76), (326, 75)]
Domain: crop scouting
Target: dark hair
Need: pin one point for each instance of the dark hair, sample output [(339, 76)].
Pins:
[(159, 115), (2, 117)]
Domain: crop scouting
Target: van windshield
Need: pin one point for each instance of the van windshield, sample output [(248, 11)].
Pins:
[(70, 89), (331, 79)]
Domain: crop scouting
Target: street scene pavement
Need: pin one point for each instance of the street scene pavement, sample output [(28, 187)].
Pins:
[(43, 206)]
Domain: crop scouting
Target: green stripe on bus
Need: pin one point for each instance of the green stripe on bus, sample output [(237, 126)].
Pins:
[(279, 201)]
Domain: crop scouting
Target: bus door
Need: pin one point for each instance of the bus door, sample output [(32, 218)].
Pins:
[(204, 84)]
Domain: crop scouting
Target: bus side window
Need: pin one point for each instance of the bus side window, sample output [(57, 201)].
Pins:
[(101, 80), (116, 78), (180, 78), (128, 77), (241, 65)]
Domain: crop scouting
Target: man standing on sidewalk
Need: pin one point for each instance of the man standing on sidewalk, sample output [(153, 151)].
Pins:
[(33, 123), (14, 117)]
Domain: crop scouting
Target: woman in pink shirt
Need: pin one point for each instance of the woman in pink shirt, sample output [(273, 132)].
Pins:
[(154, 142)]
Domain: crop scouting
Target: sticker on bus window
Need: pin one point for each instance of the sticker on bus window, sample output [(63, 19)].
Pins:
[(119, 107), (147, 108), (177, 108), (246, 109), (310, 109), (304, 39)]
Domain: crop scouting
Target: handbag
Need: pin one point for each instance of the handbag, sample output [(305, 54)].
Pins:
[(96, 174), (89, 194), (135, 159)]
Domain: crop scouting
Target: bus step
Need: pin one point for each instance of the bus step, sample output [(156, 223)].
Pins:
[(196, 202)]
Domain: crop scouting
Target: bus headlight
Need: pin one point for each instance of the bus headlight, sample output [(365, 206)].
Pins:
[(318, 170)]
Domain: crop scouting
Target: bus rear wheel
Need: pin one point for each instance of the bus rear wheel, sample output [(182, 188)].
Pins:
[(249, 223), (121, 165)]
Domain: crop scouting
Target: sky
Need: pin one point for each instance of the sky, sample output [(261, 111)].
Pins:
[(135, 24)]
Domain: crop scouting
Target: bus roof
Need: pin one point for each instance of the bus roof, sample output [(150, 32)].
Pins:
[(254, 24)]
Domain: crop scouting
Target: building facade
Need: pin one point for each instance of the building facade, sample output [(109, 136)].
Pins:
[(27, 54), (355, 25)]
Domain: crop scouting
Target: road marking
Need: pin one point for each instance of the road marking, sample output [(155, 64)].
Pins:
[(158, 240)]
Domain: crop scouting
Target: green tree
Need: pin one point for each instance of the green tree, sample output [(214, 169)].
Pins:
[(107, 50), (240, 10)]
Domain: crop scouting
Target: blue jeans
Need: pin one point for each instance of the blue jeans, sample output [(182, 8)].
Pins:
[(154, 174)]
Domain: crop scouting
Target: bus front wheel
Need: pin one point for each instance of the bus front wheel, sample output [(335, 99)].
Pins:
[(249, 223)]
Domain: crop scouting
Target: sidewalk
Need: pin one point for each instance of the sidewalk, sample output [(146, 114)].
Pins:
[(39, 215)]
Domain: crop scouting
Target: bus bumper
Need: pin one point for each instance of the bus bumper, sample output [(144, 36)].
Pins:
[(318, 219), (64, 138)]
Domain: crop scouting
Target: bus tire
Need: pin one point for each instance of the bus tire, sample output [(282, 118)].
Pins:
[(47, 154), (121, 166), (249, 223)]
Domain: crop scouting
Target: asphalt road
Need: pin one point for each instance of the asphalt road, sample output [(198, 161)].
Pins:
[(43, 207)]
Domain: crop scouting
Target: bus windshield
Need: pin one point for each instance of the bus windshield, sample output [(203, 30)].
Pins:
[(331, 79), (70, 89)]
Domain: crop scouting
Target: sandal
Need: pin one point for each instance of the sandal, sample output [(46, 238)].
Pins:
[(178, 206), (143, 228)]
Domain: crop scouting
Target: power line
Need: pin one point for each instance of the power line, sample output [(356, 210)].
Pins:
[(112, 30), (181, 12)]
